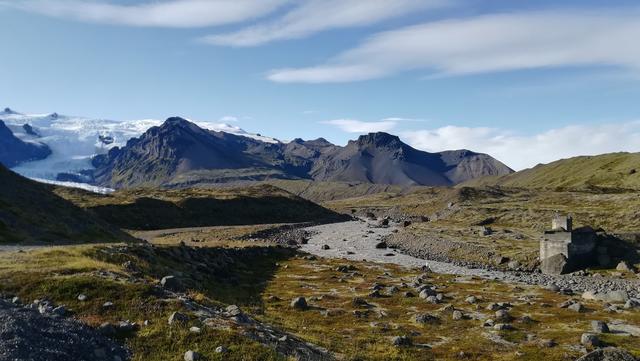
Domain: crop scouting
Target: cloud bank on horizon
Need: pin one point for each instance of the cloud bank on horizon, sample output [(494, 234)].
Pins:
[(425, 39)]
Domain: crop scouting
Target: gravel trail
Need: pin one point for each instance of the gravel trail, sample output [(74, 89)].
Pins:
[(356, 240)]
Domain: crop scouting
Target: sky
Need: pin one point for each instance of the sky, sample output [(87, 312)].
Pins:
[(526, 81)]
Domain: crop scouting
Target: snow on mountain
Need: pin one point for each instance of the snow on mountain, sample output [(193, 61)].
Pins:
[(75, 140)]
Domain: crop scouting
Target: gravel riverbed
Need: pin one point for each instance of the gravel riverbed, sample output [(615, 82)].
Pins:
[(357, 240)]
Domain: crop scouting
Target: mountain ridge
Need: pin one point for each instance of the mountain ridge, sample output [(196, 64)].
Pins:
[(179, 148)]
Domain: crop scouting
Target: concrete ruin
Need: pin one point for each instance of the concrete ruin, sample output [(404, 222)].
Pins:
[(564, 249)]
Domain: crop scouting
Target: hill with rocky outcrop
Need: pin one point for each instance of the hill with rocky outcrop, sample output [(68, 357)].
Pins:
[(179, 153)]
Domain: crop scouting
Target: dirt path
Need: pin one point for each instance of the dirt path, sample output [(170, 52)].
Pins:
[(356, 240)]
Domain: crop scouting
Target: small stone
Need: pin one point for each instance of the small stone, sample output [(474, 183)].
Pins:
[(195, 329), (471, 299), (457, 315), (408, 294), (325, 247), (221, 349), (589, 340), (82, 297), (432, 299), (192, 356), (623, 266), (299, 303), (599, 327), (16, 301), (488, 323), (107, 304)]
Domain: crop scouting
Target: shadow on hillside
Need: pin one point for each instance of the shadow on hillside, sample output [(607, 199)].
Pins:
[(229, 275), (150, 213)]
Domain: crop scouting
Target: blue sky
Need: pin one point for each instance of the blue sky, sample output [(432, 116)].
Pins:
[(526, 81)]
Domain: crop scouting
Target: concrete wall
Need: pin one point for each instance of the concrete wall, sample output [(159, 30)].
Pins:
[(550, 248)]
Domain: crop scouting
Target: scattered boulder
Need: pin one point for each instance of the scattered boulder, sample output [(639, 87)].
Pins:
[(608, 354), (82, 297), (178, 317), (599, 327), (192, 356), (325, 247), (555, 265), (171, 283), (426, 318), (577, 307), (381, 245), (589, 340), (400, 341), (471, 299), (623, 266), (221, 349), (502, 327), (503, 316), (299, 303)]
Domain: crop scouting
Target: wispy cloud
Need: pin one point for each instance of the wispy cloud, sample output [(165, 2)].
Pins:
[(524, 151), (489, 43), (357, 126), (167, 13), (229, 118), (313, 16)]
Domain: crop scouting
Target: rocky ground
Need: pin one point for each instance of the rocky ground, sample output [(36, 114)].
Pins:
[(358, 240), (39, 332)]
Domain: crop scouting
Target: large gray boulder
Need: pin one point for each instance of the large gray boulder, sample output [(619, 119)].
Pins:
[(608, 354), (555, 265)]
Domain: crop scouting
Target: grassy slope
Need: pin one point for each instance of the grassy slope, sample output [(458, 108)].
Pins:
[(146, 209), (62, 273), (329, 191), (31, 212), (608, 171)]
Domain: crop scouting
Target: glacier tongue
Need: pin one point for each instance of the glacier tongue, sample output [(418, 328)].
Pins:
[(75, 140)]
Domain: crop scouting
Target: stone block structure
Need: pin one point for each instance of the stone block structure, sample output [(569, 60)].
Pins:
[(564, 249)]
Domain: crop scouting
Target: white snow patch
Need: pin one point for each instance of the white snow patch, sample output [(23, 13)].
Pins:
[(86, 187)]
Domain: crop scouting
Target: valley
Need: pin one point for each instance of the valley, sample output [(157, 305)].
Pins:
[(220, 246)]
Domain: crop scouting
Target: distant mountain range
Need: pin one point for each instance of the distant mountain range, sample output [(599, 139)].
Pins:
[(179, 152)]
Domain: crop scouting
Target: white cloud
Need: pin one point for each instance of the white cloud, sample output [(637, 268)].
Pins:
[(314, 16), (166, 13), (229, 118), (357, 126), (522, 151), (489, 43)]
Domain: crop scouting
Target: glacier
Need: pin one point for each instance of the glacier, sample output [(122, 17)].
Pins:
[(75, 140)]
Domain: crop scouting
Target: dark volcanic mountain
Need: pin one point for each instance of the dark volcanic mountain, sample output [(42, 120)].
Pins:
[(32, 212), (14, 151), (181, 153)]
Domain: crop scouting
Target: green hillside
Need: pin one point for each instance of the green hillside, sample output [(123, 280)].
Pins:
[(31, 213), (151, 209), (614, 171)]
